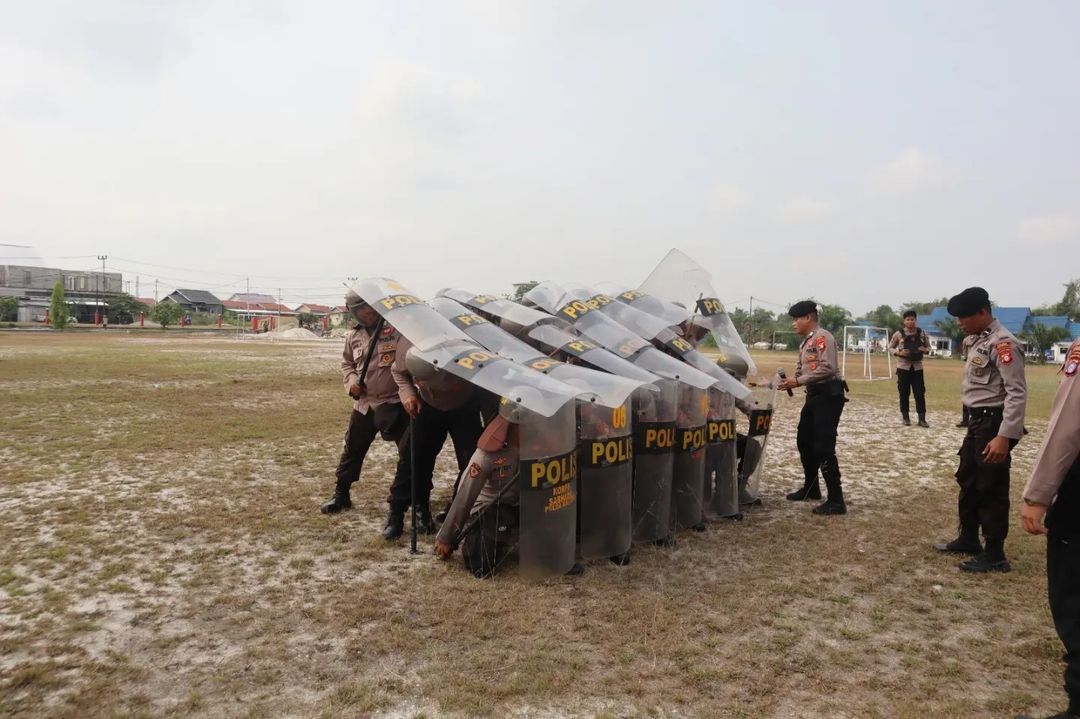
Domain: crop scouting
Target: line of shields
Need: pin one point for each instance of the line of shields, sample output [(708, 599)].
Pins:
[(626, 432)]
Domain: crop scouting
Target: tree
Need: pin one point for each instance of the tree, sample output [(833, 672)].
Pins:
[(166, 313), (884, 316), (1042, 337), (123, 309), (58, 309), (1069, 305), (307, 319), (951, 329), (9, 309), (833, 318), (924, 308), (520, 288)]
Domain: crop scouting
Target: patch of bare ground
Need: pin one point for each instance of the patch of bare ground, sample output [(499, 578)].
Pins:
[(162, 554)]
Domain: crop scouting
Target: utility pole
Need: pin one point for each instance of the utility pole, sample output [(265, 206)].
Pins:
[(750, 322), (155, 292), (136, 285), (100, 307)]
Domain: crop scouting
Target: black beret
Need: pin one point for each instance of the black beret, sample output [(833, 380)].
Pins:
[(968, 302), (801, 309)]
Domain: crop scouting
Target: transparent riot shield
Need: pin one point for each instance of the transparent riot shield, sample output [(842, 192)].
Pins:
[(599, 387), (548, 483), (678, 278), (752, 466), (721, 460), (439, 343), (688, 483), (606, 332), (606, 473), (663, 332), (654, 460)]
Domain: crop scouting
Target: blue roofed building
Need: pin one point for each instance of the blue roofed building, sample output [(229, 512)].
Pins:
[(1059, 349), (1017, 320)]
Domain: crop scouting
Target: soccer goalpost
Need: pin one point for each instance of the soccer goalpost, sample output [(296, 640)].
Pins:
[(859, 340)]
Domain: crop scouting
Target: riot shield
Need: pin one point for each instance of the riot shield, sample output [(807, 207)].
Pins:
[(606, 472), (661, 331), (688, 484), (757, 436), (439, 343), (654, 445), (548, 484), (601, 329), (599, 387), (678, 278), (721, 460)]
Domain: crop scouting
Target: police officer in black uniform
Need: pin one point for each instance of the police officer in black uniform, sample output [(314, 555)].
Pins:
[(995, 390), (440, 404), (817, 371), (366, 363)]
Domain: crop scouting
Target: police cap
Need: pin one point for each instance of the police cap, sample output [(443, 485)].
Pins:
[(969, 302), (802, 309)]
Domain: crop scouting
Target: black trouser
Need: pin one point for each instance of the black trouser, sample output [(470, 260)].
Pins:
[(431, 427), (911, 381), (984, 488), (490, 540), (816, 439), (1063, 577), (358, 438)]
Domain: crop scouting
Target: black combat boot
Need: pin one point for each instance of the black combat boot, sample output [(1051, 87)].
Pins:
[(811, 489), (834, 504), (922, 421), (621, 559), (395, 524), (991, 559), (907, 419), (425, 524), (967, 542), (340, 501)]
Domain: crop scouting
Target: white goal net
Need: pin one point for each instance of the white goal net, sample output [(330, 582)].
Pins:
[(870, 346)]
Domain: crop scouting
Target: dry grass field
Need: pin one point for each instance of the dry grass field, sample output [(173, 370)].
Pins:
[(162, 555)]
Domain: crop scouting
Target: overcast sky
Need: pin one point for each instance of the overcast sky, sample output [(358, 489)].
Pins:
[(858, 152)]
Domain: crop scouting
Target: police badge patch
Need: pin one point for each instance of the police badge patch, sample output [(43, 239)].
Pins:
[(1072, 362), (474, 470), (1004, 350), (821, 344)]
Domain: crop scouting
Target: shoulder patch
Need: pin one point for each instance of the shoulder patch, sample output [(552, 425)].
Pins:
[(1005, 352), (821, 343), (1072, 362), (474, 470)]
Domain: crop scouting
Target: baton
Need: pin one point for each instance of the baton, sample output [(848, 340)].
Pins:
[(370, 350), (412, 482)]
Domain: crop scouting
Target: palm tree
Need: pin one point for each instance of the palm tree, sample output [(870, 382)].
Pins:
[(951, 329)]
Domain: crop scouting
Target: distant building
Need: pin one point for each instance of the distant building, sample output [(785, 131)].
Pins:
[(314, 309), (195, 301), (24, 276)]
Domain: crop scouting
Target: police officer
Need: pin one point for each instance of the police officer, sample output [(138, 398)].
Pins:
[(995, 390), (366, 364), (483, 517), (816, 438), (1053, 493), (440, 404), (909, 345)]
